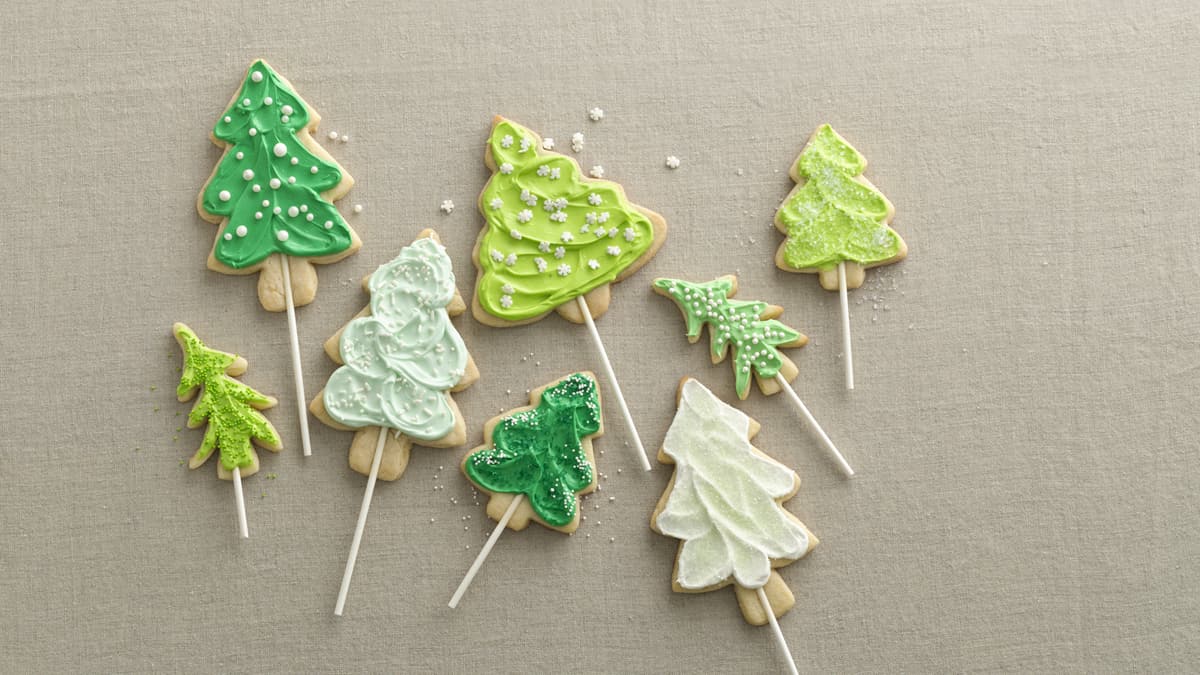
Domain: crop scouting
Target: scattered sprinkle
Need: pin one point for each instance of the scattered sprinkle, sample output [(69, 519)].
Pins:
[(672, 162), (344, 139), (447, 206), (577, 141), (333, 135), (596, 172), (596, 114), (547, 143), (358, 208)]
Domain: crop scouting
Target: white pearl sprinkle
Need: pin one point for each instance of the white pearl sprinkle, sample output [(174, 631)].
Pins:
[(248, 174), (253, 131), (329, 224), (358, 208), (240, 154), (333, 135), (286, 110), (256, 76), (282, 235), (228, 236), (275, 183), (267, 100), (280, 149), (224, 195), (293, 211), (246, 102), (241, 230), (313, 170)]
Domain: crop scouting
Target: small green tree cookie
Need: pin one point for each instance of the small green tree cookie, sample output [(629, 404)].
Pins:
[(230, 408), (834, 215), (748, 328)]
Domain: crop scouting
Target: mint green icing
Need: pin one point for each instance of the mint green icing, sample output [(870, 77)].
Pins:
[(228, 405), (735, 324), (550, 235), (833, 218), (403, 358), (268, 185), (539, 452)]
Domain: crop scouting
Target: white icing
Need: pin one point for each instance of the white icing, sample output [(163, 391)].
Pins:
[(722, 504)]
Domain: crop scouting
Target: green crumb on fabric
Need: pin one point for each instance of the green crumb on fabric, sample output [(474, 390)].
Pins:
[(272, 476), (153, 387), (155, 408), (175, 438), (181, 462), (177, 413), (178, 429), (263, 496), (137, 449)]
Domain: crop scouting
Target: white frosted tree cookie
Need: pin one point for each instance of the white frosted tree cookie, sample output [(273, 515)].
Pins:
[(725, 502)]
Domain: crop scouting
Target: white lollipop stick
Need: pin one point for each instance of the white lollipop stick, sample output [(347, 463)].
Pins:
[(362, 522), (846, 325), (795, 398), (612, 378), (762, 597), (243, 528), (483, 553), (295, 338)]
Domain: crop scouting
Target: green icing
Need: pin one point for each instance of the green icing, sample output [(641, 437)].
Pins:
[(550, 235), (228, 405), (268, 193), (833, 217), (735, 323), (539, 452)]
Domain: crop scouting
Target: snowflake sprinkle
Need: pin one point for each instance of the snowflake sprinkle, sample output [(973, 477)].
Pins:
[(596, 172), (448, 206), (672, 162), (596, 114)]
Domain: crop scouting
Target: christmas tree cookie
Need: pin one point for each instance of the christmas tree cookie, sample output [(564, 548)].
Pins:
[(230, 409), (725, 504), (537, 460), (747, 328), (834, 215), (400, 360), (273, 191), (552, 234)]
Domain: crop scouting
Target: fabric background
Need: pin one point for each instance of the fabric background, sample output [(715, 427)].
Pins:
[(1025, 423)]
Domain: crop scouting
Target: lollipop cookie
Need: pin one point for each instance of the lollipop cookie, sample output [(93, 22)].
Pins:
[(555, 240), (750, 331), (271, 196), (401, 358), (837, 224), (725, 504), (231, 410), (536, 461)]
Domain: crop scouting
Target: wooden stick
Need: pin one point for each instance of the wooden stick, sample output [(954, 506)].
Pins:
[(795, 398), (483, 553), (362, 522), (295, 338), (241, 502), (612, 378), (762, 597), (846, 325)]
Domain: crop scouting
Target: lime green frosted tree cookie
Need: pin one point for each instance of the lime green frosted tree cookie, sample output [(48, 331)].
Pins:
[(230, 409), (834, 215)]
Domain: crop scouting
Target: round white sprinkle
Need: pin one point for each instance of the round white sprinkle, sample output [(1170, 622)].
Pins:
[(295, 161), (256, 187), (228, 236), (313, 170), (280, 149), (253, 131), (241, 230), (276, 210), (596, 114), (672, 162), (344, 139), (240, 154), (258, 215), (228, 119), (224, 195), (256, 76), (304, 208), (285, 119), (267, 100), (286, 110), (309, 217), (447, 206), (328, 224), (293, 211), (358, 208), (291, 179), (333, 135), (248, 174), (275, 183), (266, 202), (246, 101), (282, 235)]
